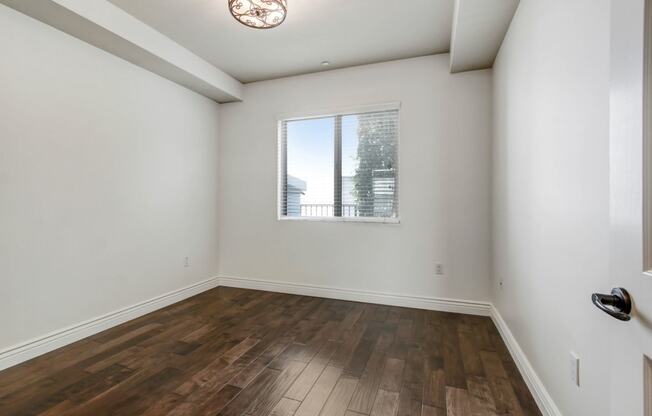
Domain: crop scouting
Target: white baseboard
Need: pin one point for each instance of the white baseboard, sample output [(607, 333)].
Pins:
[(534, 383), (41, 345), (410, 301), (38, 346), (539, 392)]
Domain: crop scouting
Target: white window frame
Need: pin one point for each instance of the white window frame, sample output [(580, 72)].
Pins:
[(333, 112)]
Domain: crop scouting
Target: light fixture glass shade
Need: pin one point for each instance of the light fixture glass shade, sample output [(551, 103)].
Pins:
[(259, 14)]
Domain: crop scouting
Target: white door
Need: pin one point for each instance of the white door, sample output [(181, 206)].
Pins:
[(630, 370)]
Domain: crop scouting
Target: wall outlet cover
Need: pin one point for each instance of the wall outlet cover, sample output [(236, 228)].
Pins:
[(574, 365)]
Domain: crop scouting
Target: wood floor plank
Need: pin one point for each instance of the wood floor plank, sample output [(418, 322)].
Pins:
[(243, 401), (340, 397), (414, 366), (238, 352), (404, 339), (470, 352), (492, 364), (59, 409), (481, 398), (250, 372), (319, 393), (352, 413), (528, 404), (392, 375), (352, 317), (432, 411), (267, 399), (504, 397), (365, 394), (306, 380), (41, 395), (386, 404), (142, 396), (285, 407), (164, 405), (410, 399), (349, 342), (458, 402), (453, 364), (292, 353), (360, 357), (435, 389)]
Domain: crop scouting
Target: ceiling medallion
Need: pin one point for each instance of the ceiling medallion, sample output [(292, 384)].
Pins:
[(259, 14)]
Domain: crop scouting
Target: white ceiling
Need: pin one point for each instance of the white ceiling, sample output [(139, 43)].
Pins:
[(197, 44), (343, 32)]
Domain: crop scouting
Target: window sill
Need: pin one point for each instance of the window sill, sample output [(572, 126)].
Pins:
[(344, 219)]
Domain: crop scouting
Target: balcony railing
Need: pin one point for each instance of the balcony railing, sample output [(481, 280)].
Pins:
[(326, 210)]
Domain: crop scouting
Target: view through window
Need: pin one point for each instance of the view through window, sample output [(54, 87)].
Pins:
[(340, 166)]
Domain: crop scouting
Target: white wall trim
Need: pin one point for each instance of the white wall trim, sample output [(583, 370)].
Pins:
[(534, 383), (537, 388), (382, 298), (38, 346)]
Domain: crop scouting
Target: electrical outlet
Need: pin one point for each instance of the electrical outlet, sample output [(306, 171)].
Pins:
[(186, 262), (439, 269), (574, 365)]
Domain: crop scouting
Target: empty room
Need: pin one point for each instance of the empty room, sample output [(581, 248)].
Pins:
[(326, 207)]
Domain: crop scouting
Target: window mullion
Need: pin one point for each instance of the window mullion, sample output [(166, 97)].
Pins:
[(284, 168), (337, 196)]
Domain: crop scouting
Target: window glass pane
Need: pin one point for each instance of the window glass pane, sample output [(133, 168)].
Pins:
[(366, 145), (310, 167), (369, 164)]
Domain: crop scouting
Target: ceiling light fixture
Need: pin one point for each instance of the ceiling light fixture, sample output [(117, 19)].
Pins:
[(259, 14)]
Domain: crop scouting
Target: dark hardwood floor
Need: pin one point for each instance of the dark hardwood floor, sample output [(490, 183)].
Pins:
[(242, 352)]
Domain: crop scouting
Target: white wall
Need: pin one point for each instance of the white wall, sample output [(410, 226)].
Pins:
[(551, 192), (108, 179), (445, 141)]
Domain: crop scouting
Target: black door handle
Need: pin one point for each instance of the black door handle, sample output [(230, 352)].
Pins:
[(618, 304)]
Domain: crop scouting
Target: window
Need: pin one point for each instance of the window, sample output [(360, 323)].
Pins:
[(341, 166)]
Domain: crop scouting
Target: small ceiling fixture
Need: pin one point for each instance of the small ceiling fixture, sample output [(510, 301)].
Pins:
[(259, 14)]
